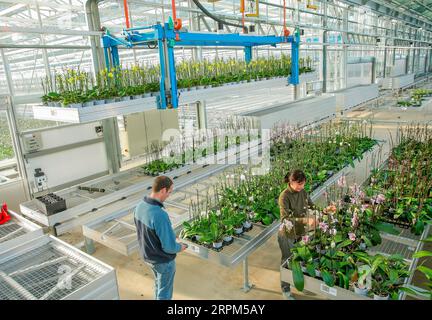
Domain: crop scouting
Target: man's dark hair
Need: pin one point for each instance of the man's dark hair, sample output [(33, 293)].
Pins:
[(162, 182), (295, 175)]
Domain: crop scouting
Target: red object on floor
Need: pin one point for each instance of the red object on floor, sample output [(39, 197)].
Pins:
[(4, 216)]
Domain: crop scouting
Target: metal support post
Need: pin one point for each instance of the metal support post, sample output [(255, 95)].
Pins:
[(161, 45), (294, 78), (14, 132), (415, 51), (172, 77), (246, 285), (324, 49), (296, 92), (407, 62), (201, 114), (248, 54), (89, 245), (373, 70), (115, 56), (385, 57), (112, 144), (345, 50), (393, 43), (107, 56)]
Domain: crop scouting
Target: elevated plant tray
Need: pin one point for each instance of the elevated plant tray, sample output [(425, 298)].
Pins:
[(93, 113), (248, 242), (319, 288), (398, 82)]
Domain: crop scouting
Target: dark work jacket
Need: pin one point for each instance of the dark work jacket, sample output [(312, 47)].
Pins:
[(156, 237), (293, 207)]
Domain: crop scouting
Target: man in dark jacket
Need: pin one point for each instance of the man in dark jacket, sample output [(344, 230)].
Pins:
[(156, 237), (295, 223)]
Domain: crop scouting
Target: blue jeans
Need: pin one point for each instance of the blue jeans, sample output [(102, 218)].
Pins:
[(164, 279)]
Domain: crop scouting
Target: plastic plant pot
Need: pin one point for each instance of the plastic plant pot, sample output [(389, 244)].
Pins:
[(247, 224), (238, 230), (227, 238), (89, 103), (217, 245), (361, 291), (75, 105)]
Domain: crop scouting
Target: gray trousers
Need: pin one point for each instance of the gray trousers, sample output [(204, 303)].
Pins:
[(285, 245)]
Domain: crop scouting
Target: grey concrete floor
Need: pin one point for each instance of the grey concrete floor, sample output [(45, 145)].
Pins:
[(200, 279)]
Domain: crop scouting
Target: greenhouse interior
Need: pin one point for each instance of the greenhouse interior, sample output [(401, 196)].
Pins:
[(259, 150)]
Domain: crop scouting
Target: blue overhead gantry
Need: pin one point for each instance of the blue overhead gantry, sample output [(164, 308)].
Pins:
[(168, 36)]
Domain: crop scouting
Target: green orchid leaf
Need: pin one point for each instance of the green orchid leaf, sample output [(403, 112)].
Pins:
[(267, 220), (344, 244), (310, 268), (387, 227), (417, 291), (367, 241), (422, 254), (298, 276), (328, 278), (426, 271), (418, 227), (343, 280)]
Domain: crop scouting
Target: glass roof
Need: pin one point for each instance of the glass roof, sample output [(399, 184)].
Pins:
[(28, 26), (423, 7)]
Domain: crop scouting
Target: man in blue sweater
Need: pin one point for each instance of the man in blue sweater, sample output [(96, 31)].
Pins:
[(156, 237)]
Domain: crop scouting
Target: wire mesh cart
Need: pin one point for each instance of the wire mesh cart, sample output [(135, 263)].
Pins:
[(17, 231), (47, 268)]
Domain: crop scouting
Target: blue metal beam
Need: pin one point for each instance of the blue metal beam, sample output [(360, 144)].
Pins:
[(235, 39), (167, 38), (295, 72)]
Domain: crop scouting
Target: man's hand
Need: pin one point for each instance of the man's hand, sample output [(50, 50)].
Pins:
[(184, 246)]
